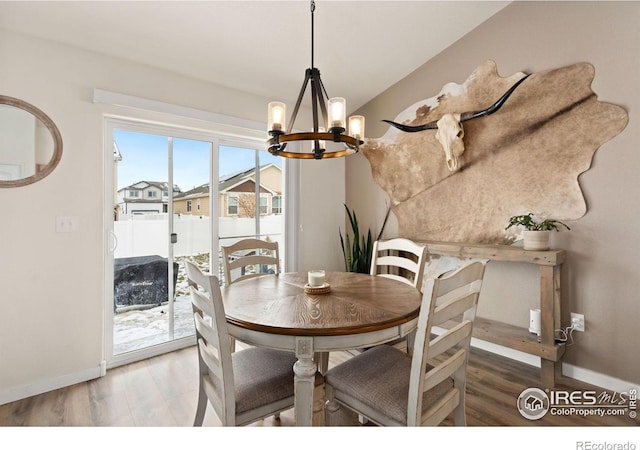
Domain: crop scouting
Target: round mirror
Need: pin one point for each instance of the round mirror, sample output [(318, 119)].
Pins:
[(30, 143)]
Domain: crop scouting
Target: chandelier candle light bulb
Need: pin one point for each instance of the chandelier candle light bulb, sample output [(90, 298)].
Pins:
[(356, 127), (276, 117), (322, 144), (337, 112)]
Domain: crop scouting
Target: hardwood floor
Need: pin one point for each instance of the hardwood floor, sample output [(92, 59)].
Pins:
[(162, 392)]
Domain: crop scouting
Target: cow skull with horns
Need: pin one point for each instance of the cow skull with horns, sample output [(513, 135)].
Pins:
[(449, 126)]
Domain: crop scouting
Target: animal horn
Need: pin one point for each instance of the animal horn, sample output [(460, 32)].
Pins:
[(413, 129), (496, 106), (464, 116)]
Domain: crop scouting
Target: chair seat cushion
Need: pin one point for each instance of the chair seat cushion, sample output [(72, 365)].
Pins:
[(379, 378), (262, 376)]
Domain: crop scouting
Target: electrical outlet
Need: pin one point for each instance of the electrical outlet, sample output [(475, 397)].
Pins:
[(577, 321)]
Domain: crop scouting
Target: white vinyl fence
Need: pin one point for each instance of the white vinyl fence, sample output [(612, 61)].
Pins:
[(148, 234)]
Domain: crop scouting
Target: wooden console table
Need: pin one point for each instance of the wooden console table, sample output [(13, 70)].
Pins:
[(517, 338)]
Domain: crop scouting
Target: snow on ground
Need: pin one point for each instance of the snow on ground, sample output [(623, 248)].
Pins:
[(136, 329)]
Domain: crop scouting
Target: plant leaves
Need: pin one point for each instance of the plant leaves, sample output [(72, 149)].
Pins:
[(357, 250)]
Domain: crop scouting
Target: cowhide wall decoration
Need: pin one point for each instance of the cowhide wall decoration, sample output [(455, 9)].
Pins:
[(526, 157)]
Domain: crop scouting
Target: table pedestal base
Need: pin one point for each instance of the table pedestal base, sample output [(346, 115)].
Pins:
[(304, 381)]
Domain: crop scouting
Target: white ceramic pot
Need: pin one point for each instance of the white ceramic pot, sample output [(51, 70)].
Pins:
[(536, 240)]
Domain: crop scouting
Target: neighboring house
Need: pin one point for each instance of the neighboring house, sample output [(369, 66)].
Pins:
[(237, 194), (145, 197), (194, 201)]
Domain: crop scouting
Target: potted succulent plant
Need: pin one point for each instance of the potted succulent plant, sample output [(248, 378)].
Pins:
[(536, 232)]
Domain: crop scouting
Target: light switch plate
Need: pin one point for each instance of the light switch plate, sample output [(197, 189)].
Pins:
[(67, 224)]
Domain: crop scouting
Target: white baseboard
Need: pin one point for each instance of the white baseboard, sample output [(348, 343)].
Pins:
[(597, 379), (568, 370), (51, 384)]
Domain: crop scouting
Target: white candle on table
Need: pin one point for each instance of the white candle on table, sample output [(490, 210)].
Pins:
[(316, 277)]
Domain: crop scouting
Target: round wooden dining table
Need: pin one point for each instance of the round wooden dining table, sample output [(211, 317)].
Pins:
[(359, 311)]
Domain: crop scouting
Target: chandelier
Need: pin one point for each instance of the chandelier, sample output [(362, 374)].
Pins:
[(333, 112)]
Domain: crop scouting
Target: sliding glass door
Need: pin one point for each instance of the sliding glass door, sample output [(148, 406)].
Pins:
[(154, 173), (176, 195)]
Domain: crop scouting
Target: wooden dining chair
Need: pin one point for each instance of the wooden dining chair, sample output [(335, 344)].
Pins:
[(403, 260), (251, 258), (243, 386), (391, 388)]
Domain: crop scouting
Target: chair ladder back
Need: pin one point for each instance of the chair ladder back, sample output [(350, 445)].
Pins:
[(201, 304), (397, 261), (198, 279), (251, 244), (232, 261), (215, 334), (206, 332), (440, 410), (449, 339), (444, 369), (451, 294), (251, 260), (211, 360), (454, 307), (399, 278), (214, 349), (393, 256), (469, 275)]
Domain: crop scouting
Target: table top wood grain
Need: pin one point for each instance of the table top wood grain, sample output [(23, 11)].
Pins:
[(357, 303)]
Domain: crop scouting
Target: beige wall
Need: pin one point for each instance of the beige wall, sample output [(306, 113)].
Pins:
[(52, 296), (601, 274)]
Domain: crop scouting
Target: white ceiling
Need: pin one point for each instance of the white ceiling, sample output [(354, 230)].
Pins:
[(261, 47)]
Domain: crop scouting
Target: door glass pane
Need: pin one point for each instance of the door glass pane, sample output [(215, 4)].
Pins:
[(246, 194), (272, 193), (191, 222), (141, 258)]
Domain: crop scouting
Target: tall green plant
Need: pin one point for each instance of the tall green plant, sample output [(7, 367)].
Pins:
[(358, 249)]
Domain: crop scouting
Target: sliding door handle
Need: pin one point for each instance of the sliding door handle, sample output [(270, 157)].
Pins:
[(114, 241)]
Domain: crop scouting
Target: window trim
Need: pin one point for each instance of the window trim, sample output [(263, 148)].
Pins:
[(266, 204), (236, 197), (279, 207)]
